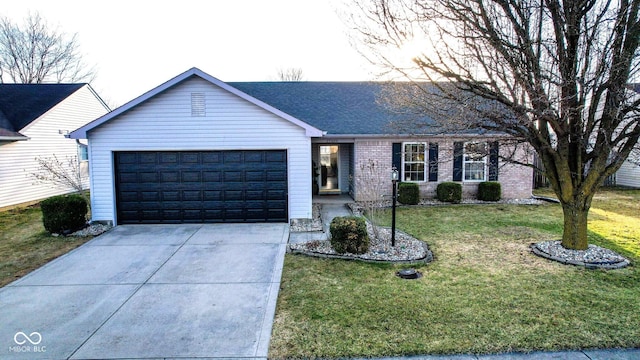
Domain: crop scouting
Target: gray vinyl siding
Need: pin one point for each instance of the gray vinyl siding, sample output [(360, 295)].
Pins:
[(345, 156), (165, 122), (628, 175), (17, 159)]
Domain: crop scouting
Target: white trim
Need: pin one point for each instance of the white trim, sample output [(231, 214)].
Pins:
[(465, 162), (425, 161), (14, 138), (81, 133), (338, 178)]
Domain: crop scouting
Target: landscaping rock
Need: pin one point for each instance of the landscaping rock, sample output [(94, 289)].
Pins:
[(92, 230), (595, 257), (305, 225), (407, 250)]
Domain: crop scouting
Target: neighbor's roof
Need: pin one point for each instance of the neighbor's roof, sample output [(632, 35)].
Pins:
[(339, 108), (21, 104)]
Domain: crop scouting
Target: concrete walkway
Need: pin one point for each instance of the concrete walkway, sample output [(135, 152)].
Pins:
[(150, 291), (327, 213), (607, 354)]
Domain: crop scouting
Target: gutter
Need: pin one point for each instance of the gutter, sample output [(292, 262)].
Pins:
[(14, 138), (404, 136)]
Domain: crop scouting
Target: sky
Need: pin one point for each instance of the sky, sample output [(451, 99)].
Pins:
[(137, 45)]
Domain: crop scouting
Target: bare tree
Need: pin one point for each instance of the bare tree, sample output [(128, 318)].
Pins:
[(370, 185), (290, 74), (35, 53), (64, 174), (554, 74)]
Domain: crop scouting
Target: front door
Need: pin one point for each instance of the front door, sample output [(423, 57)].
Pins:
[(329, 169)]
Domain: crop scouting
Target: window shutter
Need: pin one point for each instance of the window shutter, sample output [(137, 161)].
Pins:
[(396, 157), (493, 161), (458, 150), (433, 161)]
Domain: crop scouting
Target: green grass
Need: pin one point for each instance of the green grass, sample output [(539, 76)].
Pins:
[(25, 245), (484, 293)]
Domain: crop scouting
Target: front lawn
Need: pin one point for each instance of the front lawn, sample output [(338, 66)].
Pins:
[(484, 293), (25, 245)]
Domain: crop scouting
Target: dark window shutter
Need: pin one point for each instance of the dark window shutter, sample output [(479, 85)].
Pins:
[(493, 161), (458, 150), (396, 157), (433, 162)]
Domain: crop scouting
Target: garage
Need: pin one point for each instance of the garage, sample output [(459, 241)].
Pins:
[(198, 150), (201, 186)]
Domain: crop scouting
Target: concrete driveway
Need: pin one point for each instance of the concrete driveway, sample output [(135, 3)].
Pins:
[(150, 291)]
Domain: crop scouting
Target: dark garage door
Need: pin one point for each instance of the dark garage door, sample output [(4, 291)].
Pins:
[(201, 186)]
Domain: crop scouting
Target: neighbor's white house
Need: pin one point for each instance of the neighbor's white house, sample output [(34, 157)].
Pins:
[(628, 175), (34, 122)]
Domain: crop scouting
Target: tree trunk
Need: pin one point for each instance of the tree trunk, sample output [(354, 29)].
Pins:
[(574, 236)]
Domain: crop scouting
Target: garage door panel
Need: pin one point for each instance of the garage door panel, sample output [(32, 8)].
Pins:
[(150, 214), (150, 196), (276, 195), (210, 195), (168, 195), (276, 156), (213, 157), (211, 176), (254, 157), (233, 195), (260, 176), (126, 177), (190, 158), (255, 204), (191, 195), (255, 195), (192, 214), (150, 177), (201, 186), (276, 185), (128, 158), (232, 157), (129, 196), (168, 158), (191, 176), (276, 213), (233, 176), (169, 176), (276, 175)]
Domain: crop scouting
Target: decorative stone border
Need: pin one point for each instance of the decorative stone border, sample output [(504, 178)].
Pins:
[(425, 260), (595, 257)]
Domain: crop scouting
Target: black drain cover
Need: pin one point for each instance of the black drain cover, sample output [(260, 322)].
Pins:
[(409, 274)]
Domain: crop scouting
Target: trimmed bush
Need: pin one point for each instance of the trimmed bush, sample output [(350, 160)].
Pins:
[(349, 234), (64, 214), (408, 193), (449, 192), (489, 191)]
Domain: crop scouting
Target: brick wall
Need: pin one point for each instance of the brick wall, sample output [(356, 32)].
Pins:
[(516, 180), (366, 154)]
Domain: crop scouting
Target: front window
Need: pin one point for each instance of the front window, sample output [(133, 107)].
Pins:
[(414, 156), (475, 161), (83, 152)]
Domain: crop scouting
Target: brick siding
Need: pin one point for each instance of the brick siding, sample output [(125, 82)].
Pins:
[(516, 180)]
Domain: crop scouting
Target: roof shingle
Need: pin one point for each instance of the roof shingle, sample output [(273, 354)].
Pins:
[(339, 108), (23, 103)]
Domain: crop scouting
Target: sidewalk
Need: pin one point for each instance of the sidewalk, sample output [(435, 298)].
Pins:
[(328, 212), (603, 354)]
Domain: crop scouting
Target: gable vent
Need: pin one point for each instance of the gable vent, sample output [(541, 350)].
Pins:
[(198, 107)]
